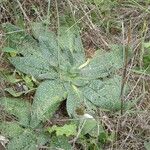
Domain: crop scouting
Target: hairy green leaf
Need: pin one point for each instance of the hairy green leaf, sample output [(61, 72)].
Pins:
[(103, 64), (74, 99), (25, 141), (47, 42), (60, 142), (70, 41), (105, 94), (17, 107), (29, 49), (80, 81), (15, 35), (92, 127), (35, 66), (42, 138), (46, 101), (10, 129)]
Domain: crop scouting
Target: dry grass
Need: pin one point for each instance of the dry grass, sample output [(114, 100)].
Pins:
[(133, 127)]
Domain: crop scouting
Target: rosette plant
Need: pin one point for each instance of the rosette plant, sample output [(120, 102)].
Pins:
[(59, 63), (64, 73)]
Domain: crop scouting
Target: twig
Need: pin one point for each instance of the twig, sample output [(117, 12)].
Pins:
[(126, 49), (25, 15)]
